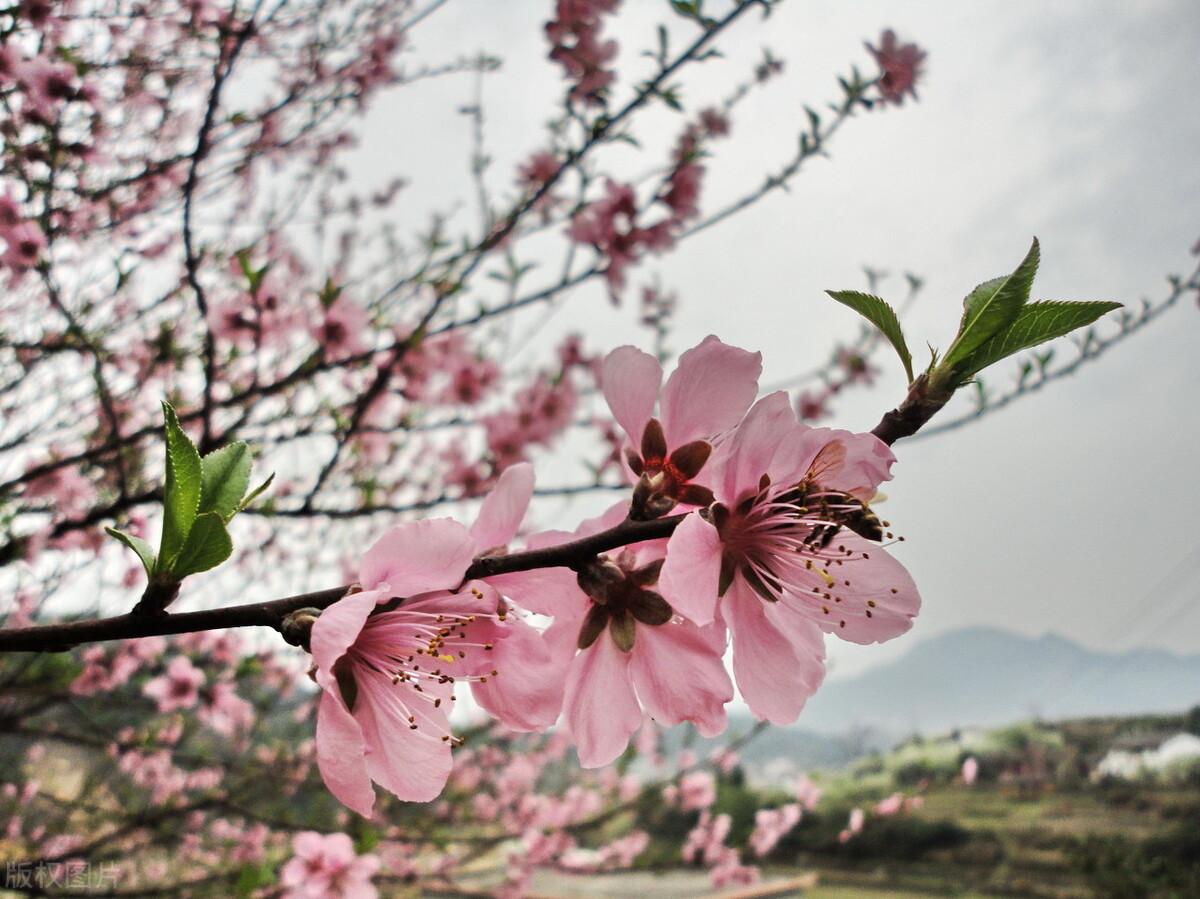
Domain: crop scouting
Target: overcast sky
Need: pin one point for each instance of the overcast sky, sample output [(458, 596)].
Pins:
[(1073, 511)]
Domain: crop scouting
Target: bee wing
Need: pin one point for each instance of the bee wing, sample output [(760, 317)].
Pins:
[(830, 458)]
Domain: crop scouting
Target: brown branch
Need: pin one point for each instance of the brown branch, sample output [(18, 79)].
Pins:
[(65, 636), (919, 406), (910, 416)]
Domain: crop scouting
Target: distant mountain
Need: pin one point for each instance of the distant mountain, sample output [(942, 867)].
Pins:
[(777, 753), (987, 676)]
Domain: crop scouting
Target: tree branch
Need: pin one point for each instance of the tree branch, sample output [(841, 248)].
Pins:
[(67, 635)]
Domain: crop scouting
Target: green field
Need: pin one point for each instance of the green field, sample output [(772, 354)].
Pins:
[(1037, 823)]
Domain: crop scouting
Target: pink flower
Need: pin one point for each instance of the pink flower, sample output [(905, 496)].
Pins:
[(714, 123), (179, 688), (388, 678), (622, 852), (536, 173), (856, 820), (72, 494), (808, 794), (783, 551), (706, 396), (813, 405), (856, 368), (325, 866), (24, 244), (771, 825), (707, 838), (683, 195), (610, 225), (894, 804), (340, 330), (853, 827), (697, 791), (970, 770), (634, 653), (900, 67), (575, 34), (527, 694), (224, 711), (624, 649)]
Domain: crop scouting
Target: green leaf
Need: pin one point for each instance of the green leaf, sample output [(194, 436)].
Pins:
[(882, 316), (329, 294), (181, 498), (225, 475), (138, 545), (1036, 323), (252, 877), (991, 307), (254, 494), (207, 546)]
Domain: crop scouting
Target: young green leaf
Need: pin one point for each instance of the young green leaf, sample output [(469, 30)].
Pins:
[(256, 492), (1036, 323), (991, 307), (139, 546), (208, 545), (181, 499), (225, 475), (882, 316)]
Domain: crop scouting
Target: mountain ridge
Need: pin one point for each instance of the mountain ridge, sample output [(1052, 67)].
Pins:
[(989, 676)]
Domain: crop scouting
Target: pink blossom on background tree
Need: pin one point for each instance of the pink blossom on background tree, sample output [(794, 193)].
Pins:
[(901, 67), (325, 866)]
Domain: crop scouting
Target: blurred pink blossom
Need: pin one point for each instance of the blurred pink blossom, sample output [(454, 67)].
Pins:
[(970, 770), (179, 688), (325, 866), (900, 67)]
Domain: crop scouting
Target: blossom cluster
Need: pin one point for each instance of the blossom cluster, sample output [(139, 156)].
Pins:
[(774, 545)]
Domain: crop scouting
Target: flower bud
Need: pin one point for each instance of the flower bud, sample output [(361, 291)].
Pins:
[(296, 626)]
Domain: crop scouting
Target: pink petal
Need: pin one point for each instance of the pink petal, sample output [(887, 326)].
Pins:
[(879, 602), (691, 574), (527, 693), (600, 707), (775, 673), (708, 393), (867, 463), (504, 508), (340, 755), (419, 556), (458, 605), (680, 676), (412, 764), (547, 591), (766, 442), (336, 630), (631, 380)]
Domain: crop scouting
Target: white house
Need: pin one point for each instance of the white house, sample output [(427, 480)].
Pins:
[(1125, 763)]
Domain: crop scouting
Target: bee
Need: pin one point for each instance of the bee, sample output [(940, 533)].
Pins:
[(833, 509)]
